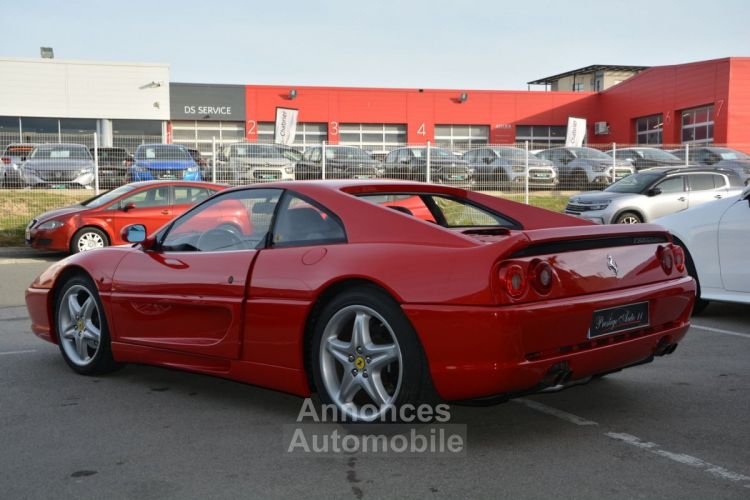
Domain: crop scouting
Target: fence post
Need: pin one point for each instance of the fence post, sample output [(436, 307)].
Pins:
[(213, 159), (614, 161), (428, 177), (96, 162), (687, 155), (323, 161), (526, 181)]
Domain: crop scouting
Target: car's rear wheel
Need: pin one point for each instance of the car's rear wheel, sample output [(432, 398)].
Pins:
[(82, 331), (366, 358), (629, 218), (88, 238)]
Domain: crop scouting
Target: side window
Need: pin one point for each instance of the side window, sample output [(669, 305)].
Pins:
[(460, 214), (721, 181), (674, 184), (471, 156), (409, 204), (154, 197), (300, 222), (190, 195), (315, 156), (701, 182), (234, 221), (391, 158)]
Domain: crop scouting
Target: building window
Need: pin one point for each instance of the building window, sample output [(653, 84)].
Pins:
[(578, 87), (648, 129), (698, 125), (308, 134), (461, 136), (200, 135), (541, 136), (374, 137), (10, 130), (77, 126)]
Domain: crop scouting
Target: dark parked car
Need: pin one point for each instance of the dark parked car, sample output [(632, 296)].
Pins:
[(58, 166), (197, 157), (719, 157), (579, 168), (410, 163), (342, 162), (496, 167), (643, 157), (12, 158), (114, 166)]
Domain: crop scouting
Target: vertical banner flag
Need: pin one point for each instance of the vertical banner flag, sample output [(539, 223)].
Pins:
[(286, 126), (576, 132)]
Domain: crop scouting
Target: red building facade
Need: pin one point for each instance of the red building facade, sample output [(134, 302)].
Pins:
[(665, 92)]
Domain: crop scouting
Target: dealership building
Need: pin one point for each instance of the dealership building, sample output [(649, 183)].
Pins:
[(705, 102)]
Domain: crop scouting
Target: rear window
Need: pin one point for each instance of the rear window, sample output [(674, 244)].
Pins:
[(443, 210)]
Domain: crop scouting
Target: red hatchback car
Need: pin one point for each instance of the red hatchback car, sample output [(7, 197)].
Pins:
[(97, 222), (374, 294)]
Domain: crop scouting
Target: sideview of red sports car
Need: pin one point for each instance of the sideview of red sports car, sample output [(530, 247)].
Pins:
[(374, 294)]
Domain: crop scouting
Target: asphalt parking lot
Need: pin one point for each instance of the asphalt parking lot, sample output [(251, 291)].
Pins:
[(676, 428)]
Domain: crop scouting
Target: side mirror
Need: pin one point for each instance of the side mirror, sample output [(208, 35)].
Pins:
[(134, 233), (654, 191), (128, 206), (488, 160), (404, 161)]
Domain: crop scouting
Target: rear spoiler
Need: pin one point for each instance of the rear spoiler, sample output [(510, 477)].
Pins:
[(568, 239)]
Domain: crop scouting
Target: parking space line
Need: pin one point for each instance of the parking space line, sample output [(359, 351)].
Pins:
[(719, 330), (562, 415), (25, 351), (681, 458)]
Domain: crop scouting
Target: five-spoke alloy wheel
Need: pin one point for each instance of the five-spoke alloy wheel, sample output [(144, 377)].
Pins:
[(366, 358), (82, 330)]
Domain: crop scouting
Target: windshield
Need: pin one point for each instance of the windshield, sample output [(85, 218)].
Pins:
[(510, 153), (254, 151), (60, 152), (635, 183), (658, 154), (589, 154), (347, 154), (731, 154), (162, 152), (106, 197), (290, 154), (434, 153)]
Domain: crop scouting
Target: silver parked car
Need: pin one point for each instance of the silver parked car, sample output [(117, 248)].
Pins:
[(653, 193), (244, 163), (58, 166), (503, 166), (582, 167)]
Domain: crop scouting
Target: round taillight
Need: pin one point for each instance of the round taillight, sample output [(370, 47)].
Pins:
[(515, 281), (679, 258), (666, 258), (542, 277)]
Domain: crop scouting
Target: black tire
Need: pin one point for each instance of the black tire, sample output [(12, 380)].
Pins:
[(700, 304), (88, 232), (625, 217), (415, 383), (101, 361)]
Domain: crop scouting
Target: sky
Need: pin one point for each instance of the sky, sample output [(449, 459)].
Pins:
[(412, 44)]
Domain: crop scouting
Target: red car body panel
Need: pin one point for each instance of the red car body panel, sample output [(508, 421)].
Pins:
[(244, 314), (108, 220)]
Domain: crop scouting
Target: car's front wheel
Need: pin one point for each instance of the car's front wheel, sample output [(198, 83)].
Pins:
[(629, 218), (82, 331), (88, 238), (366, 358)]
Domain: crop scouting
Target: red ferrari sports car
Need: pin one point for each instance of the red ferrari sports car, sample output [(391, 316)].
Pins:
[(374, 294), (97, 222)]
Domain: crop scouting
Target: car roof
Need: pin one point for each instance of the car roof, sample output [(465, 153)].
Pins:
[(690, 170), (140, 184)]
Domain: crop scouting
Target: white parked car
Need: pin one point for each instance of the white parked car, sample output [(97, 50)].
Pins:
[(716, 239)]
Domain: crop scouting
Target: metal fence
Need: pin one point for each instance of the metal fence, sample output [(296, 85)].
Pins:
[(61, 169)]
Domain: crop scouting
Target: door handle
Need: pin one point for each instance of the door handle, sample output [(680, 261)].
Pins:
[(718, 196), (165, 212), (681, 198)]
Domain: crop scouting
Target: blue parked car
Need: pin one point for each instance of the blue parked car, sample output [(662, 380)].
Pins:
[(164, 162)]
